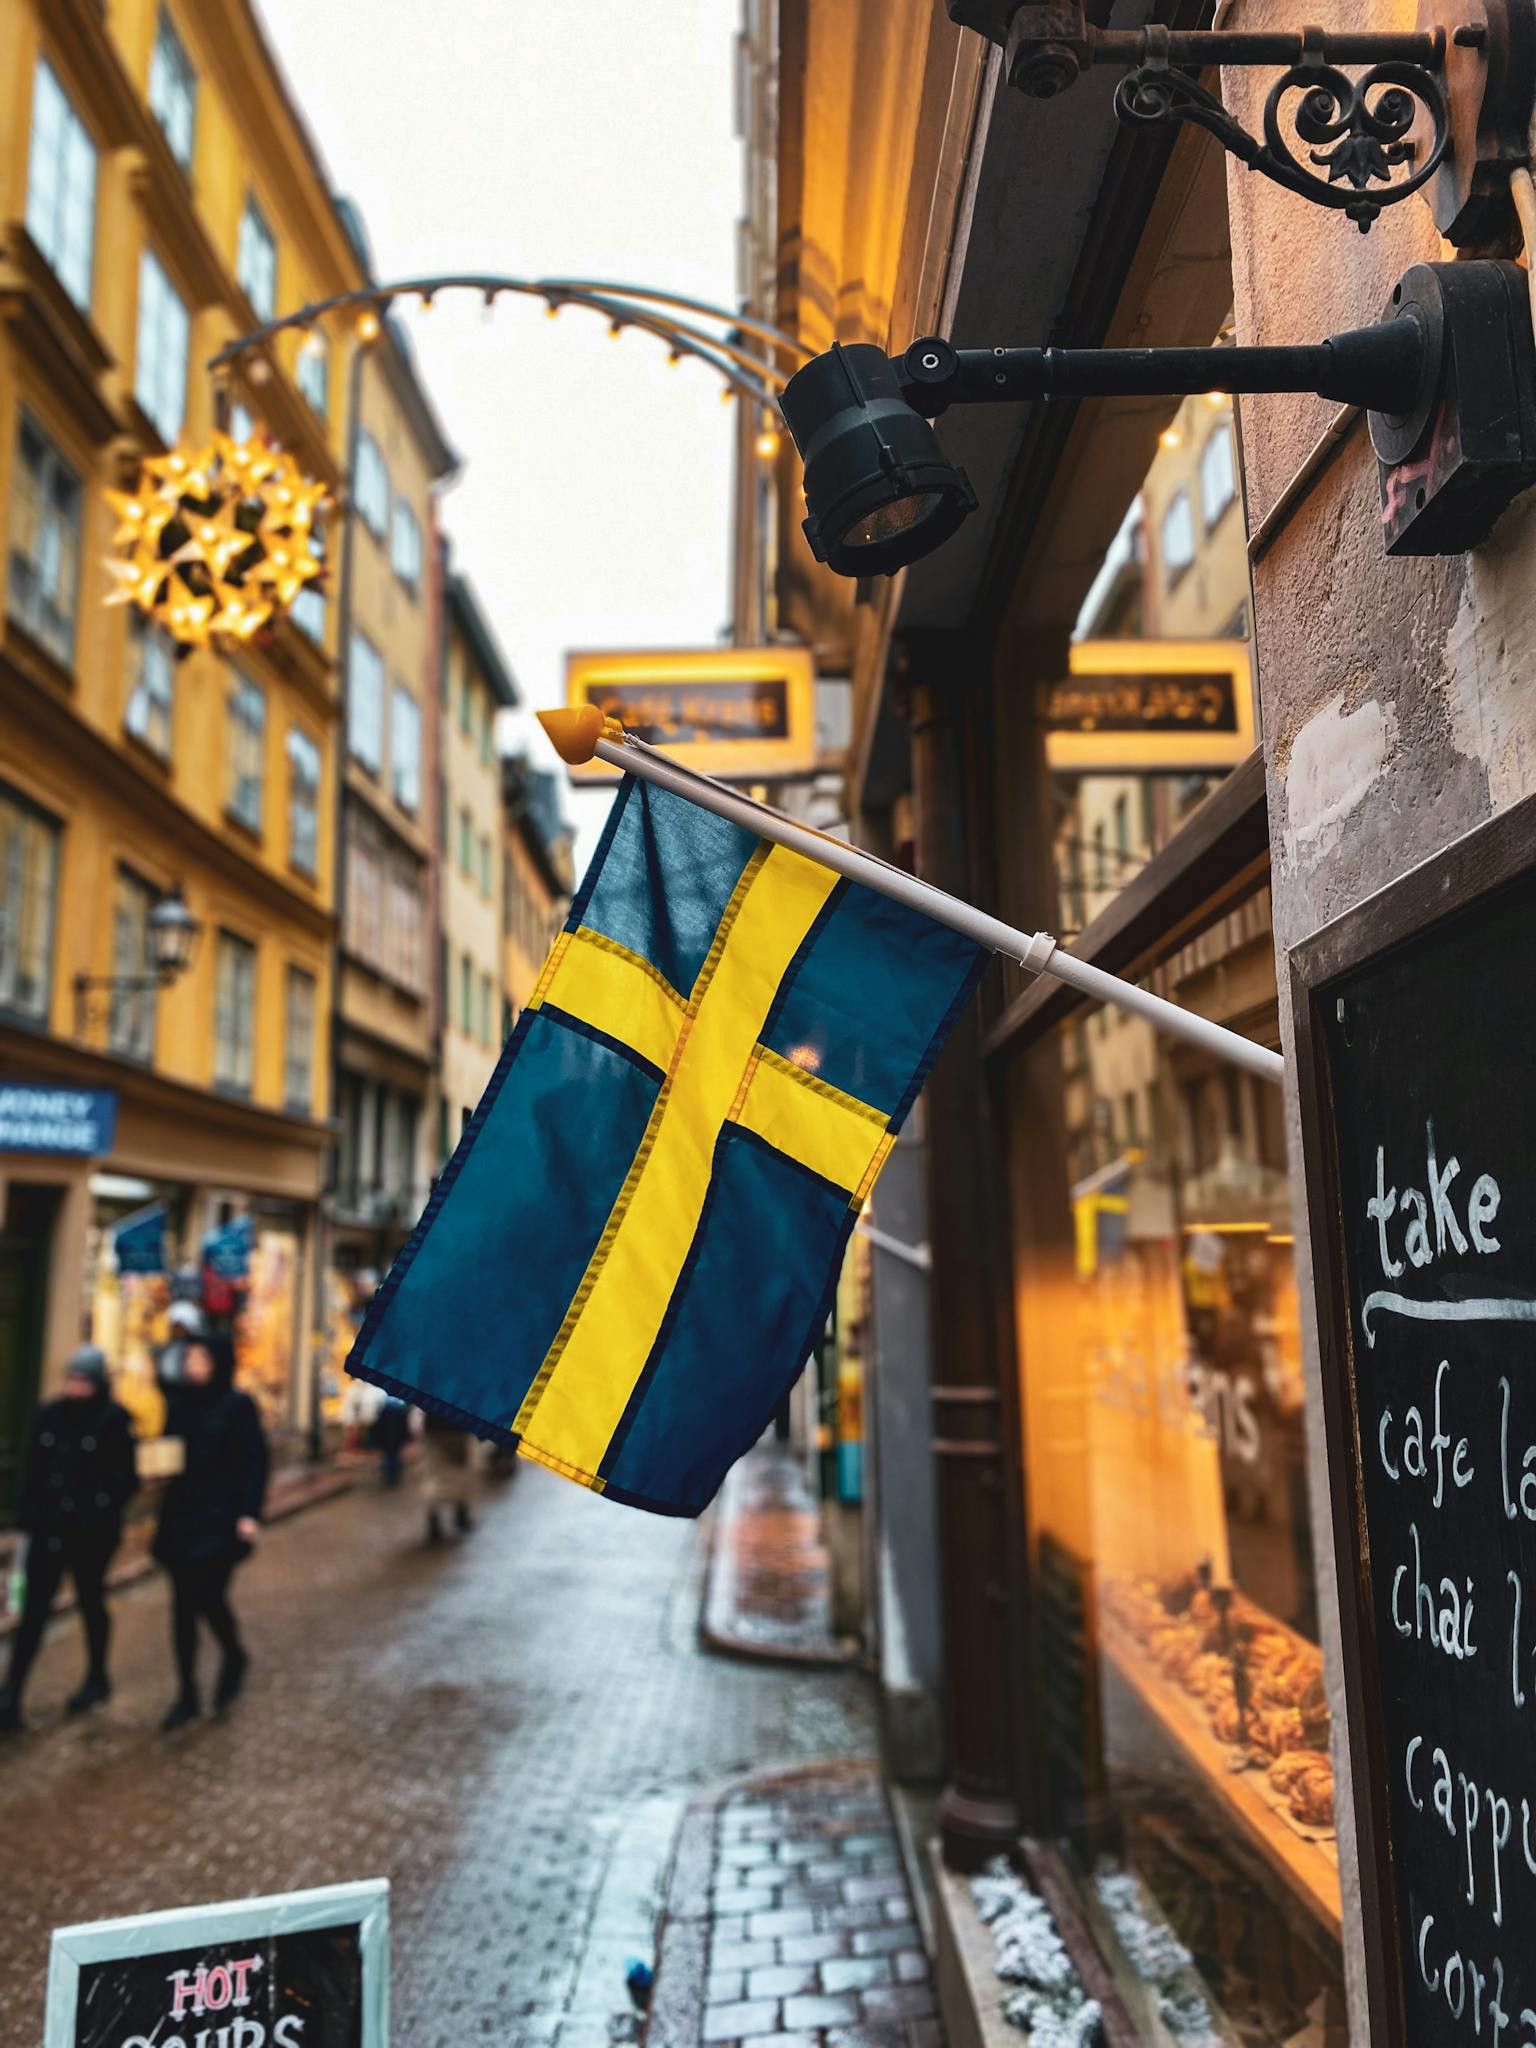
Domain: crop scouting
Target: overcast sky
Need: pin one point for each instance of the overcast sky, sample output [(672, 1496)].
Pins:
[(541, 137)]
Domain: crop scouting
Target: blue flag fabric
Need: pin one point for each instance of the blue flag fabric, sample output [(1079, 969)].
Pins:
[(633, 1250)]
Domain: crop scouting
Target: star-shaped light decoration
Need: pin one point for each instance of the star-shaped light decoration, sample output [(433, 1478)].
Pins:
[(212, 544)]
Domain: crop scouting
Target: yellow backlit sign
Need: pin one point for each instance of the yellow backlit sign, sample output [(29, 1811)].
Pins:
[(1138, 707), (746, 713)]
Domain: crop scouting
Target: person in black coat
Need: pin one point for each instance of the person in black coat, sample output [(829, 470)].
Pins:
[(77, 1479), (210, 1517)]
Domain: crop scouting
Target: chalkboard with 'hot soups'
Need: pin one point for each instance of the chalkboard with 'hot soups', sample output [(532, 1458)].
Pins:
[(301, 1970), (1430, 1064)]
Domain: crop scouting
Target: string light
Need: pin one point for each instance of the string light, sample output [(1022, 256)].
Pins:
[(1170, 437), (368, 325), (767, 444)]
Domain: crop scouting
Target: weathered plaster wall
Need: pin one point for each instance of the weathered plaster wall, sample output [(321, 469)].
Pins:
[(1399, 698)]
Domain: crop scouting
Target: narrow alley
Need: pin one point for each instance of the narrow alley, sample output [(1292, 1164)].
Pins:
[(509, 1728)]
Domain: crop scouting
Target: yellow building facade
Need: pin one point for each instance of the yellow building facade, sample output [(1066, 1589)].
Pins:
[(537, 877), (476, 685), (150, 214)]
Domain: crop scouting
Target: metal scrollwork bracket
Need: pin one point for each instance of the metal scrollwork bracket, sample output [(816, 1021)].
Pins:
[(1358, 132), (1355, 122)]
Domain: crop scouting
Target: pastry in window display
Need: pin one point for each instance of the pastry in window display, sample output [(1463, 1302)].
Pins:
[(1260, 1687)]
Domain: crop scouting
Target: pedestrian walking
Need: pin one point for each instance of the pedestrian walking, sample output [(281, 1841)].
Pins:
[(77, 1480), (210, 1518), (391, 1433), (447, 1475)]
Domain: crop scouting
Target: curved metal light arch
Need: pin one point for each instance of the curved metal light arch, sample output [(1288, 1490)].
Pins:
[(621, 305)]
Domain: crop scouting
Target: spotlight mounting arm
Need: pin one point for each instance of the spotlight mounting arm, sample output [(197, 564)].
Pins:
[(1447, 378), (1379, 367)]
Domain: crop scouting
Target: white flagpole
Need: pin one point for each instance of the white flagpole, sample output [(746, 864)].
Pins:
[(583, 735)]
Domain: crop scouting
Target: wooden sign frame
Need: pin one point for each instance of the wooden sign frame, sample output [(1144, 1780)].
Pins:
[(1476, 867), (363, 1905)]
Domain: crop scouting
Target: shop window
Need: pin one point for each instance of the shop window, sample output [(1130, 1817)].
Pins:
[(314, 372), (46, 513), (1178, 538), (160, 361), (1182, 1706), (299, 1042), (247, 752), (365, 703), (405, 545), (173, 90), (131, 1022), (256, 261), (370, 486), (303, 801), (405, 750), (152, 690), (29, 876), (61, 186), (1218, 475), (234, 1014)]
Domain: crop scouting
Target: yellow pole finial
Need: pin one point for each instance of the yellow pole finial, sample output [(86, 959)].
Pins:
[(575, 731)]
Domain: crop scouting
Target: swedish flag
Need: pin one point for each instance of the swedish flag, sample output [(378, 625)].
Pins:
[(633, 1250)]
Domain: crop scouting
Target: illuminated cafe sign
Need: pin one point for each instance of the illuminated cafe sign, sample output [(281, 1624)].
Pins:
[(746, 713), (1131, 707)]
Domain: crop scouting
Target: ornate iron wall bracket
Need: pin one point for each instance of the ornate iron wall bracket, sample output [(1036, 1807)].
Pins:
[(1358, 131), (1452, 98)]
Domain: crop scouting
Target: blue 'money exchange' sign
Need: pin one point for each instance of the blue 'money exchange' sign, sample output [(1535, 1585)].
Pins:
[(78, 1122)]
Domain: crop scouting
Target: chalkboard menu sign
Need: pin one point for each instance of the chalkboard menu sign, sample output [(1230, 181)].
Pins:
[(1425, 1054), (303, 1970)]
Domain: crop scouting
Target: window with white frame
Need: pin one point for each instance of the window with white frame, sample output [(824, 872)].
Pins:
[(303, 801), (152, 685), (299, 1042), (370, 486), (1218, 474), (29, 880), (61, 185), (131, 1021), (308, 609), (405, 750), (173, 90), (405, 544), (160, 368), (256, 260), (46, 513), (314, 372), (247, 751), (1178, 537), (234, 1014), (365, 703)]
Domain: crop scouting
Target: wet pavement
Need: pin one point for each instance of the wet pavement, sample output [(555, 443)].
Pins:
[(770, 1579), (508, 1728)]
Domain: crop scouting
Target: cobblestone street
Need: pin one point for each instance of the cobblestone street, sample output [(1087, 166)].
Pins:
[(508, 1728)]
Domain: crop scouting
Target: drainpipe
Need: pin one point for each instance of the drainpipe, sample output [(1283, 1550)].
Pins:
[(323, 1237)]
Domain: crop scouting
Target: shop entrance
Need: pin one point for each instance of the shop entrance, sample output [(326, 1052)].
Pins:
[(26, 1236)]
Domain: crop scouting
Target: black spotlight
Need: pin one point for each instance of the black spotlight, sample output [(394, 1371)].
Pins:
[(878, 490)]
